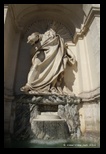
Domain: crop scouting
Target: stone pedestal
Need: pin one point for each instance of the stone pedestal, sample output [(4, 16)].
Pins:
[(31, 123)]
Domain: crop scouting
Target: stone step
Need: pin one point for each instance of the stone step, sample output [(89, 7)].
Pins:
[(47, 117)]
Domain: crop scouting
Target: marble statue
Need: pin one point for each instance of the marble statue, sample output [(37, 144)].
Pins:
[(50, 55)]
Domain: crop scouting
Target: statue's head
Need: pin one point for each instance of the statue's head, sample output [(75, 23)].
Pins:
[(34, 37)]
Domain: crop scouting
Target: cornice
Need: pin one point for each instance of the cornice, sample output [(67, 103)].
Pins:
[(94, 12), (90, 95)]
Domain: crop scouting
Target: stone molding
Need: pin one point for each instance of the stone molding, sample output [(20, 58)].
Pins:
[(8, 94), (94, 12), (90, 95), (8, 98)]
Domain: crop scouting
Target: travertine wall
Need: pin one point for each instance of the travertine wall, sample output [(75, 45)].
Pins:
[(90, 117), (93, 47), (89, 76)]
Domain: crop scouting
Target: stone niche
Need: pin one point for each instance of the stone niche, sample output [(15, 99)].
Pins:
[(46, 117), (23, 67)]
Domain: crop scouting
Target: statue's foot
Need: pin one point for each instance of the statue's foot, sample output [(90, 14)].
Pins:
[(33, 92), (53, 90), (25, 88)]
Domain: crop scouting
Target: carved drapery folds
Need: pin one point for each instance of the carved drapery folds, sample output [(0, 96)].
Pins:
[(51, 55)]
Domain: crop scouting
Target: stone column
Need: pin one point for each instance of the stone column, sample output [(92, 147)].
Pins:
[(11, 44)]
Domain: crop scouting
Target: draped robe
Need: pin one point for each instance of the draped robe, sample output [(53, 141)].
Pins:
[(49, 60)]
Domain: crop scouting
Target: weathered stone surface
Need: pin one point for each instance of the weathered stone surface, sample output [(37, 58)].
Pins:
[(92, 116), (70, 114), (47, 117), (28, 120), (50, 129), (47, 108), (47, 99)]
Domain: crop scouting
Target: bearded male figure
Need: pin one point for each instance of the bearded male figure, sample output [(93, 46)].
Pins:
[(50, 55)]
